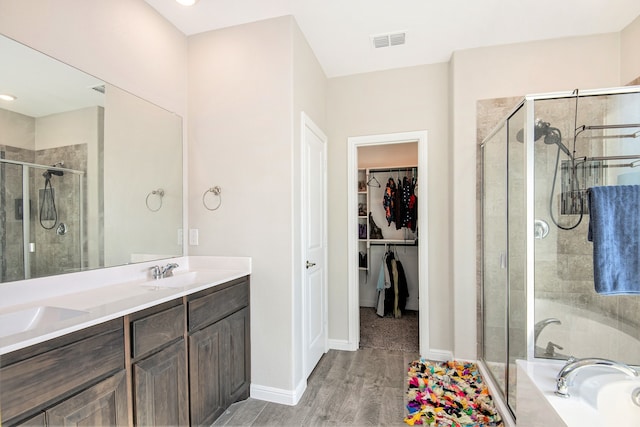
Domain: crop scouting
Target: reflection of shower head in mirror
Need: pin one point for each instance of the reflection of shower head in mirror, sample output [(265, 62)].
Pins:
[(49, 172), (551, 135)]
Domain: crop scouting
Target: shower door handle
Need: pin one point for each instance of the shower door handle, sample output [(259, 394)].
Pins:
[(503, 260)]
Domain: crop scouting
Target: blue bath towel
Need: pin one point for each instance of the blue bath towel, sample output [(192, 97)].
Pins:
[(614, 229)]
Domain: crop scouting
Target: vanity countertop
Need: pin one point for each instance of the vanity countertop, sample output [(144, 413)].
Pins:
[(36, 310)]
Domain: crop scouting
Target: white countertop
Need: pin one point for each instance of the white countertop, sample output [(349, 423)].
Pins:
[(107, 294)]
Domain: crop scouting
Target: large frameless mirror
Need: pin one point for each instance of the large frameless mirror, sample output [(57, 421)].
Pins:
[(90, 175)]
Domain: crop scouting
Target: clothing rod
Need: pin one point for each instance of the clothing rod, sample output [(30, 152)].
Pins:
[(405, 169), (35, 165)]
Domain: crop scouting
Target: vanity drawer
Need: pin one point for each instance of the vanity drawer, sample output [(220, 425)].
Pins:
[(157, 329), (218, 304), (32, 383)]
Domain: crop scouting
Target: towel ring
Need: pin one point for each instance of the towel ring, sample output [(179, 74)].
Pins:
[(217, 191), (160, 193)]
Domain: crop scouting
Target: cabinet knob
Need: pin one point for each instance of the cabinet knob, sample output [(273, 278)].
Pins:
[(310, 264)]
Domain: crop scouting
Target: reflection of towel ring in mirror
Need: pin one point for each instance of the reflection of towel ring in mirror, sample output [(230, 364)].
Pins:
[(217, 191), (160, 193)]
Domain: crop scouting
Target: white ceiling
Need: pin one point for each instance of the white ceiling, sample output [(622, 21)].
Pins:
[(339, 30)]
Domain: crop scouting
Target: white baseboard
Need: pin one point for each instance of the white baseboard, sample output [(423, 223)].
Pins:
[(343, 345), (278, 395), (440, 355)]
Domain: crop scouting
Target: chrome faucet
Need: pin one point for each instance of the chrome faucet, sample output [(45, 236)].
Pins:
[(569, 371), (158, 272), (167, 270), (537, 329)]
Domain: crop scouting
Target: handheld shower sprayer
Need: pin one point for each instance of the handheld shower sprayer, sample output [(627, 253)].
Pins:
[(48, 211), (551, 135)]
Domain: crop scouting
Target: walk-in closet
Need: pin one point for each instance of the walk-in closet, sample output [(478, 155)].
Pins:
[(388, 197)]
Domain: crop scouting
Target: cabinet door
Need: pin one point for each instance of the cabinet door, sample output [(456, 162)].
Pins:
[(160, 388), (205, 370), (237, 359), (39, 420), (104, 404)]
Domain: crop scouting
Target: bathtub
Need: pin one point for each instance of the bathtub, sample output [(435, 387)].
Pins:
[(599, 397), (584, 333)]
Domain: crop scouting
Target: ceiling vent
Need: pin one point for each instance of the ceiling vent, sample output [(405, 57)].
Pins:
[(389, 39)]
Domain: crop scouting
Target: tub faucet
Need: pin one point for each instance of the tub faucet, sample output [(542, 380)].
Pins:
[(569, 371), (537, 329), (167, 270)]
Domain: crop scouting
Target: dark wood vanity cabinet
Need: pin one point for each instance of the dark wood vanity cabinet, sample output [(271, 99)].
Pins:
[(76, 379), (159, 366), (219, 350), (190, 358), (178, 363)]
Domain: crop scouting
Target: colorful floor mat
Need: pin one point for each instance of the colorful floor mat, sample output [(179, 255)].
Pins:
[(450, 394)]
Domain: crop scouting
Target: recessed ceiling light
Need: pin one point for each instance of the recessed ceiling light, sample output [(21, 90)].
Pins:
[(187, 2), (7, 97)]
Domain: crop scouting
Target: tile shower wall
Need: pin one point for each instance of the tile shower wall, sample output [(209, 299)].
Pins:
[(54, 253), (61, 253)]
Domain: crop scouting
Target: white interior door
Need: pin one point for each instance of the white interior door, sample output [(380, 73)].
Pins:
[(314, 231)]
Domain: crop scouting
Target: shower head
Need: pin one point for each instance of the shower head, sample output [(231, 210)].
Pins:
[(551, 135), (47, 174), (539, 130)]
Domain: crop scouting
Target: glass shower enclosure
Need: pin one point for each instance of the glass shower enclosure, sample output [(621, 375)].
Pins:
[(41, 220), (537, 294)]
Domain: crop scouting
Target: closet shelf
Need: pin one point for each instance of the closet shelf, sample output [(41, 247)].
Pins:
[(408, 242)]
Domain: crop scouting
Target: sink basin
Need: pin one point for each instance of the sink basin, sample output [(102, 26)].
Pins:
[(31, 318), (188, 279), (611, 394)]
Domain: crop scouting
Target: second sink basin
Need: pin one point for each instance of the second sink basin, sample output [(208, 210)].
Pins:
[(34, 317)]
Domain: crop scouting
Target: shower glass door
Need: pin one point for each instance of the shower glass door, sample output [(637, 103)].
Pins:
[(517, 237), (41, 221), (494, 240)]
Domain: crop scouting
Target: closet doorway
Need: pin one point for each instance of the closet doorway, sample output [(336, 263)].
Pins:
[(383, 231)]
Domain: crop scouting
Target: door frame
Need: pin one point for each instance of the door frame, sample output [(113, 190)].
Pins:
[(353, 143), (307, 123)]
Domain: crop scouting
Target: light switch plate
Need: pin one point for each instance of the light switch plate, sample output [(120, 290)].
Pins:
[(193, 236)]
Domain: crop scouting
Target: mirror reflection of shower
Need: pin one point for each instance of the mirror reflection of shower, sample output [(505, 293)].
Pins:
[(48, 210), (42, 232)]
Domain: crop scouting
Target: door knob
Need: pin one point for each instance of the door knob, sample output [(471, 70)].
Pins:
[(310, 264)]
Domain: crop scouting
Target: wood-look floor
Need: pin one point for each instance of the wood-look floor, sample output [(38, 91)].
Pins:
[(348, 388)]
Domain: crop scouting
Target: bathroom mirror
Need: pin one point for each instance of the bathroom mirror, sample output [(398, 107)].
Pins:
[(90, 175)]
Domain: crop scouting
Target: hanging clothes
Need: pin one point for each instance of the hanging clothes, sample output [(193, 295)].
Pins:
[(403, 290), (401, 203), (398, 205), (412, 208), (392, 287), (384, 282), (388, 200)]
